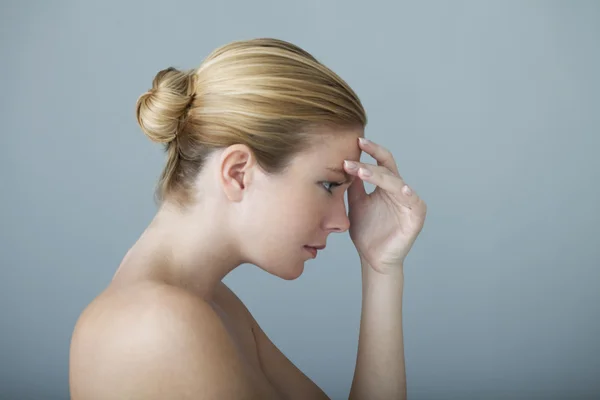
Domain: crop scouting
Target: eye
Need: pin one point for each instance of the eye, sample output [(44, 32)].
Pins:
[(329, 186)]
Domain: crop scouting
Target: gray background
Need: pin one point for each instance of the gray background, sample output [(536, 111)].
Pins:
[(492, 110)]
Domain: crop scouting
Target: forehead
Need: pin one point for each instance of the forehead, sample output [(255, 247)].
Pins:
[(331, 147)]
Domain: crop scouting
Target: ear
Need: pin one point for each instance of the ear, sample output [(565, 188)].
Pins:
[(235, 172)]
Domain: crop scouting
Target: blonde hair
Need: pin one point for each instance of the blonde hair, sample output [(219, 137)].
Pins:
[(265, 93)]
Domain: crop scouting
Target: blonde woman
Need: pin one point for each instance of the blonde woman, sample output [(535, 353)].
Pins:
[(260, 133)]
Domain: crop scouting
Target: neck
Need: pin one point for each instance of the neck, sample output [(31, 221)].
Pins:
[(189, 249)]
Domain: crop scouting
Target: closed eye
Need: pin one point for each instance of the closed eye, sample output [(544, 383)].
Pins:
[(329, 186)]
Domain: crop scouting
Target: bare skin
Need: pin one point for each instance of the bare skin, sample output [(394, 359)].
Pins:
[(122, 331), (173, 277), (168, 327)]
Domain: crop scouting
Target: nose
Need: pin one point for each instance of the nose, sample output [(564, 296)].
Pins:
[(338, 220)]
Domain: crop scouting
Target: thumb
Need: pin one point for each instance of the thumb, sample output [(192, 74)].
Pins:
[(356, 191)]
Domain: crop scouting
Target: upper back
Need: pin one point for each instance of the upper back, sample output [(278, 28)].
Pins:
[(154, 341)]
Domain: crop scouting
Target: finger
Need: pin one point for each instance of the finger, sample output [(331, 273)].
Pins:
[(356, 191), (352, 168), (383, 178), (382, 155)]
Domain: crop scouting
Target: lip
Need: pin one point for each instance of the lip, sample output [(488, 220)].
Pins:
[(312, 250)]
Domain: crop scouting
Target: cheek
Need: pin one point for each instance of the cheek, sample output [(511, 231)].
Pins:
[(302, 209), (288, 213), (293, 219)]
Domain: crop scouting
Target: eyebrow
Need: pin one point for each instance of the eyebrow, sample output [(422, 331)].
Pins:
[(348, 178)]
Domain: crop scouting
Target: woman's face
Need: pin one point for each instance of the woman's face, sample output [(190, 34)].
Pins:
[(300, 207)]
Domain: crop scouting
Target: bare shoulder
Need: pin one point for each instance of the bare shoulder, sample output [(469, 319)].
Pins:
[(154, 341), (277, 367)]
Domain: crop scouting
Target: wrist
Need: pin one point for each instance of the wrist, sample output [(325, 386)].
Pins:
[(383, 272)]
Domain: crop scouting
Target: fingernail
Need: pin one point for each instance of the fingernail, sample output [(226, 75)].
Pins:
[(350, 164), (407, 191), (363, 140), (365, 172)]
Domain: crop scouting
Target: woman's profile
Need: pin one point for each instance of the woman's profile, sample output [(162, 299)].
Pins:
[(262, 142)]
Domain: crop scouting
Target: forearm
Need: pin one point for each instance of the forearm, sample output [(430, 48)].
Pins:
[(380, 371)]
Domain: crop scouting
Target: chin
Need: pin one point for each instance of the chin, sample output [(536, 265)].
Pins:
[(286, 271), (291, 274), (283, 264)]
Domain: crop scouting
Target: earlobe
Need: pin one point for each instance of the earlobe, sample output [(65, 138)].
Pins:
[(236, 170)]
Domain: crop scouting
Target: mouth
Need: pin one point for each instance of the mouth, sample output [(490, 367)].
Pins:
[(312, 250)]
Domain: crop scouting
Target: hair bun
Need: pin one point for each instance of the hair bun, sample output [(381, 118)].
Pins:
[(160, 110)]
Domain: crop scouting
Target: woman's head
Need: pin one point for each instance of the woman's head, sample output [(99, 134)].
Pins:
[(266, 94), (255, 136)]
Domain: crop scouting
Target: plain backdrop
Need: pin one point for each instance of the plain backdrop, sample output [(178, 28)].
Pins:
[(492, 110)]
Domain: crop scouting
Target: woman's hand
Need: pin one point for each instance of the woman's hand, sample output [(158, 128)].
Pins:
[(384, 224)]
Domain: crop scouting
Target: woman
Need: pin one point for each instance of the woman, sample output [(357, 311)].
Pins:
[(262, 143)]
